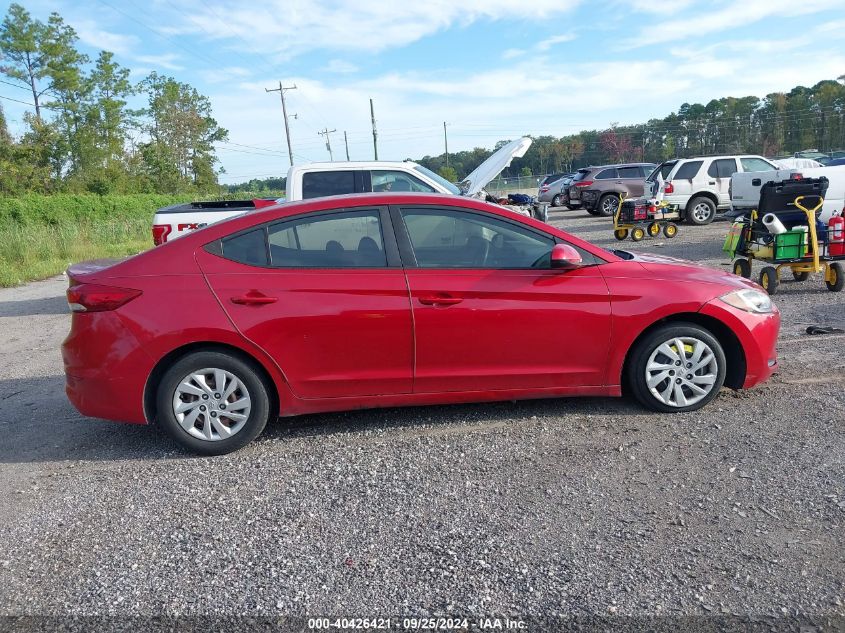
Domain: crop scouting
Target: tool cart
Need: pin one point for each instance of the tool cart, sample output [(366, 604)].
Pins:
[(785, 232), (640, 217)]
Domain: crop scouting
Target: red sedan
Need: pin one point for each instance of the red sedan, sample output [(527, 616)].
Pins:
[(397, 299)]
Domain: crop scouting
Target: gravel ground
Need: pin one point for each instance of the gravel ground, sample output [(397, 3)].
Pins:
[(570, 507)]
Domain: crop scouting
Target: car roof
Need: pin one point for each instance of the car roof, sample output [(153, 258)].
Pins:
[(618, 165), (355, 164)]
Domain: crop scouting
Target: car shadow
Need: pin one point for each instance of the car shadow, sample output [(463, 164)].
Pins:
[(33, 307), (39, 424)]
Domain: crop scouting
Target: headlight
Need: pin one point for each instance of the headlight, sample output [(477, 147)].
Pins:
[(749, 300)]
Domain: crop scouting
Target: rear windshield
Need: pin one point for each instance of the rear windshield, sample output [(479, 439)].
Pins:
[(663, 170), (689, 170), (582, 173)]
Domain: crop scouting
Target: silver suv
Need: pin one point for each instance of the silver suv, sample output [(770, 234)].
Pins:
[(700, 186)]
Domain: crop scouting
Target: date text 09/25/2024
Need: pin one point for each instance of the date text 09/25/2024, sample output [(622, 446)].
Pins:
[(417, 624)]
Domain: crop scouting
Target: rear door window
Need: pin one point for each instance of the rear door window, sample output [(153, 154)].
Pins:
[(335, 240), (581, 175), (607, 174), (316, 184), (722, 168), (689, 170), (630, 172)]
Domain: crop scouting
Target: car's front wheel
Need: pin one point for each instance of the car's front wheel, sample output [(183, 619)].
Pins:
[(212, 403), (677, 367)]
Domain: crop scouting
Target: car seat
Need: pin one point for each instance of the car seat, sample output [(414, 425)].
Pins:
[(369, 254)]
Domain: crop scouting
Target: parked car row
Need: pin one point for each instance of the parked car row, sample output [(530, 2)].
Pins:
[(699, 187)]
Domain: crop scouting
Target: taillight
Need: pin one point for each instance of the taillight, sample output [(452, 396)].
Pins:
[(668, 187), (98, 298), (544, 188), (797, 176), (160, 233), (583, 183)]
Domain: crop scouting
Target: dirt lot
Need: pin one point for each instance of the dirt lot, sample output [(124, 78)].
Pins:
[(568, 507)]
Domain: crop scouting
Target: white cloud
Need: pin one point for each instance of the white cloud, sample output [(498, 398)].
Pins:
[(167, 60), (513, 53), (89, 33), (735, 14), (340, 66), (224, 75), (286, 28), (546, 44)]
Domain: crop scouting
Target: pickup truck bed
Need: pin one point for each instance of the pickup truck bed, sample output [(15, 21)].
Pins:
[(173, 221)]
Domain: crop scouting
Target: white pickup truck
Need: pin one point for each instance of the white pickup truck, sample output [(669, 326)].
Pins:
[(315, 180), (745, 188)]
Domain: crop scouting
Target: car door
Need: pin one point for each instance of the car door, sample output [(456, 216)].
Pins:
[(632, 180), (490, 314), (719, 177), (323, 294)]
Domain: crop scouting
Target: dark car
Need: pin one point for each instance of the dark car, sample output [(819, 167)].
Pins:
[(597, 189), (554, 191)]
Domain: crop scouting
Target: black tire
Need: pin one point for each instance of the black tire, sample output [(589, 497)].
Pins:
[(608, 205), (654, 229), (592, 211), (769, 279), (556, 201), (696, 212), (250, 379), (838, 274), (803, 276), (637, 364), (637, 234), (742, 267), (621, 234)]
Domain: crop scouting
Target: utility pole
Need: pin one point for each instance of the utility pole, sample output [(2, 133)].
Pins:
[(375, 134), (446, 143), (326, 132), (281, 90), (346, 142)]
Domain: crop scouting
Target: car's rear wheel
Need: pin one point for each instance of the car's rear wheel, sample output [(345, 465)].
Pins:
[(677, 367), (608, 204), (212, 403), (701, 210), (556, 201)]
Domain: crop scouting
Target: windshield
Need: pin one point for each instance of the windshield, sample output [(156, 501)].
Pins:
[(440, 180)]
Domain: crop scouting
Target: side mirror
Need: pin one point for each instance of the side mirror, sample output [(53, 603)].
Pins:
[(565, 257)]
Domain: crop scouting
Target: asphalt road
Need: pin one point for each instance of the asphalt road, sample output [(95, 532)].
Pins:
[(570, 507)]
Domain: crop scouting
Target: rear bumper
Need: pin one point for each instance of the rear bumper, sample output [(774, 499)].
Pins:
[(105, 368), (758, 335)]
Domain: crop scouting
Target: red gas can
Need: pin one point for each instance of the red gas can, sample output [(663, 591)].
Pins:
[(836, 235)]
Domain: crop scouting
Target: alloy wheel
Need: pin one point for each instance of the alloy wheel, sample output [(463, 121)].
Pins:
[(681, 371), (609, 205), (211, 404), (701, 212)]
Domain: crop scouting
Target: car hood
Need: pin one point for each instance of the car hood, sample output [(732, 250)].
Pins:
[(682, 269), (493, 166)]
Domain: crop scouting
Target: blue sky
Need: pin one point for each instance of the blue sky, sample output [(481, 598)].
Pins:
[(492, 69)]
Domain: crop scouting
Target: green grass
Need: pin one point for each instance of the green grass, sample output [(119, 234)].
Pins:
[(41, 235)]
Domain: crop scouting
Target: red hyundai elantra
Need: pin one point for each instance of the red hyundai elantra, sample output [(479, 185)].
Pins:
[(397, 299)]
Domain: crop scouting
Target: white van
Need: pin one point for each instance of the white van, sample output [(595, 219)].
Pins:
[(745, 188)]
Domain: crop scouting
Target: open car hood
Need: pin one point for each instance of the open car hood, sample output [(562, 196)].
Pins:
[(494, 165)]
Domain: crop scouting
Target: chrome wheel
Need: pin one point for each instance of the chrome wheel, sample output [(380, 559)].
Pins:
[(701, 212), (211, 404), (609, 205), (681, 371)]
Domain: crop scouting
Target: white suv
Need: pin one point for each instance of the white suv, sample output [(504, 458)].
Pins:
[(700, 186)]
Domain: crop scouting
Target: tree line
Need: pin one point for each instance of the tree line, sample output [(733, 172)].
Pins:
[(81, 135), (778, 125)]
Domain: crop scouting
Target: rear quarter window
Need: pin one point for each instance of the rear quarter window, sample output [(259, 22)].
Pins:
[(247, 248), (689, 170), (316, 184)]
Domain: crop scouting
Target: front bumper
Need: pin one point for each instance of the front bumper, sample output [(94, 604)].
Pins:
[(757, 334)]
